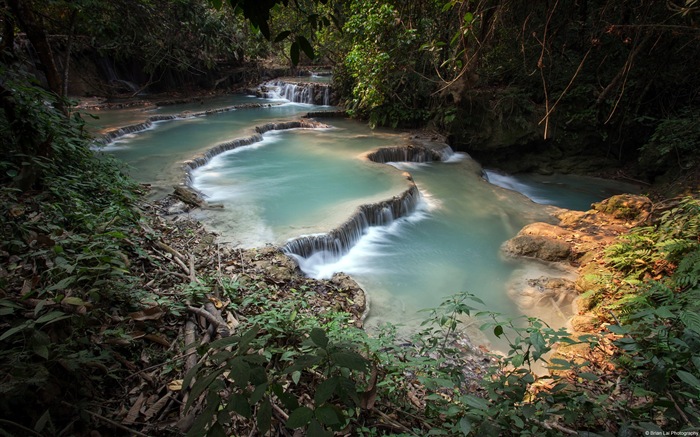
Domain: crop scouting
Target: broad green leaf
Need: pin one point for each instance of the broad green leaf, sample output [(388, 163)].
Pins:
[(240, 371), (202, 384), (351, 360), (474, 402), (306, 46), (73, 301), (43, 420), (589, 376), (53, 316), (239, 404), (294, 53), (258, 393), (299, 417), (465, 426), (498, 331), (689, 379), (318, 336), (518, 360), (316, 430), (325, 390), (10, 332), (264, 417), (282, 35), (329, 415)]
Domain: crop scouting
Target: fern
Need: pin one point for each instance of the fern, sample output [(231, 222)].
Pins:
[(688, 273)]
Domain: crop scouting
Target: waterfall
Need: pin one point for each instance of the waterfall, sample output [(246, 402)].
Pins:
[(417, 151), (204, 158), (333, 245), (297, 92), (327, 96), (409, 153), (126, 130), (339, 241)]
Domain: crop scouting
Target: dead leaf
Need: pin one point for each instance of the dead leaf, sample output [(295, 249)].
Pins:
[(175, 385), (152, 313), (157, 339), (134, 411)]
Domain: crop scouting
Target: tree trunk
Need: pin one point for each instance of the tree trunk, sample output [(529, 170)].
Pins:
[(31, 24)]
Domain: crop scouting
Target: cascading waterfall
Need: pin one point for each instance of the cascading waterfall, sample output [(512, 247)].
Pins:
[(297, 92), (338, 242), (204, 158), (114, 135), (335, 244), (410, 153)]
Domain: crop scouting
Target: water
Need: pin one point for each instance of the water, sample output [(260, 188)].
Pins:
[(100, 121), (155, 156), (302, 182), (565, 191)]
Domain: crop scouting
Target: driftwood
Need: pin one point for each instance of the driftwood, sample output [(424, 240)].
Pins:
[(188, 195)]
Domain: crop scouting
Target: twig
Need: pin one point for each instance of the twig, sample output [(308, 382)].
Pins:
[(169, 249), (193, 274), (211, 318), (678, 408), (394, 423), (279, 411), (552, 425), (22, 427), (110, 421)]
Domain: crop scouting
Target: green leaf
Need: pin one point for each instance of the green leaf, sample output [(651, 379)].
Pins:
[(316, 430), (73, 301), (351, 360), (282, 35), (43, 420), (318, 336), (299, 417), (498, 331), (617, 329), (474, 402), (264, 417), (239, 403), (306, 46), (518, 360), (258, 393), (589, 376), (15, 330), (294, 53), (689, 379), (329, 415), (201, 384), (325, 390), (465, 426), (240, 370)]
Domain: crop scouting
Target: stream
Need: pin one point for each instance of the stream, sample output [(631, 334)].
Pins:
[(305, 182)]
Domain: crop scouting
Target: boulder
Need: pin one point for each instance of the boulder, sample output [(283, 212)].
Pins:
[(530, 243)]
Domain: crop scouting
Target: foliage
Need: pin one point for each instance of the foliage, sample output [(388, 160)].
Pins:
[(62, 248), (674, 143), (659, 324)]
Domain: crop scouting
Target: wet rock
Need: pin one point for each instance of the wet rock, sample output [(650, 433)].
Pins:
[(539, 240), (537, 246)]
